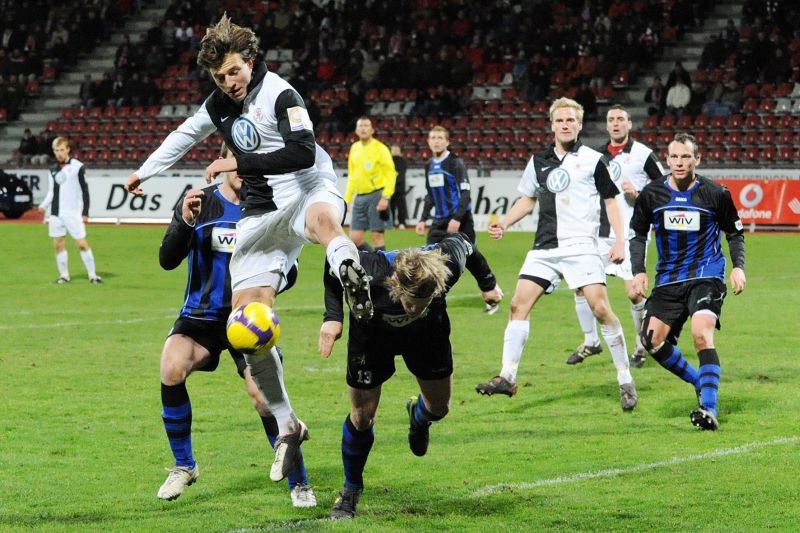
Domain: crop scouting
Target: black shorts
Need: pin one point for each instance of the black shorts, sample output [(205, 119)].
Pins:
[(424, 346), (438, 230), (674, 303), (211, 335)]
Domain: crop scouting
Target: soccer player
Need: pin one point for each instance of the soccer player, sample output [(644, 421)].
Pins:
[(203, 229), (288, 201), (448, 189), (68, 200), (568, 181), (633, 165), (689, 213), (371, 178), (408, 288)]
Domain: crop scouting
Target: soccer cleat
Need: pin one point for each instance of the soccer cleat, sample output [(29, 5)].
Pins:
[(638, 358), (286, 452), (62, 280), (356, 289), (418, 435), (493, 305), (179, 478), (628, 396), (303, 496), (497, 385), (345, 505), (97, 280), (583, 351), (704, 419)]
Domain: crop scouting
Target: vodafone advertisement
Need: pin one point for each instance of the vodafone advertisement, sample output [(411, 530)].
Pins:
[(763, 197)]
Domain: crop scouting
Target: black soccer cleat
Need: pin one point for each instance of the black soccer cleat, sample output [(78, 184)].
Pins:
[(704, 419), (418, 435), (356, 289), (497, 385), (345, 505)]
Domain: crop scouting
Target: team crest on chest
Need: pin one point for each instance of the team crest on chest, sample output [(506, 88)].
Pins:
[(615, 169), (558, 180), (258, 114), (245, 135)]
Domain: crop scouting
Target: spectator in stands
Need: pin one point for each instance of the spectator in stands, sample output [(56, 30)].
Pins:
[(86, 91), (460, 70), (678, 74), (714, 54), (678, 98), (586, 98), (729, 36), (28, 147), (747, 67), (150, 93), (539, 79), (779, 69), (184, 37)]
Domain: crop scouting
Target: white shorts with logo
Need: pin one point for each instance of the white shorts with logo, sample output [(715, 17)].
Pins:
[(579, 265), (72, 223), (267, 245)]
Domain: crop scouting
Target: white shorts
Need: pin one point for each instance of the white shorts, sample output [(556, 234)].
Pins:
[(579, 266), (267, 245), (59, 226), (621, 270)]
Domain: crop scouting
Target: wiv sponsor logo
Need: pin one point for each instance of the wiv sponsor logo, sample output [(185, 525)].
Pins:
[(223, 239), (682, 220)]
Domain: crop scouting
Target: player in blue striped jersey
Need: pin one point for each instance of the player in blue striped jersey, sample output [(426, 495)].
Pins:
[(689, 213), (203, 231), (449, 193)]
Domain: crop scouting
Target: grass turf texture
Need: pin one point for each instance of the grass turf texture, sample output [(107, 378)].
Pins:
[(82, 446)]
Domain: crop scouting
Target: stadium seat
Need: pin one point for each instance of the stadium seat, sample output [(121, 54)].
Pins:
[(733, 154), (716, 136), (767, 138), (769, 154), (650, 122), (701, 122), (785, 136), (750, 155), (785, 154), (734, 123), (751, 138), (752, 122), (684, 123), (701, 136), (769, 122), (718, 122), (733, 138)]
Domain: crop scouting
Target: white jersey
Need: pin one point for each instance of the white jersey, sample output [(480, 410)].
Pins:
[(68, 192), (270, 133), (569, 192), (637, 164)]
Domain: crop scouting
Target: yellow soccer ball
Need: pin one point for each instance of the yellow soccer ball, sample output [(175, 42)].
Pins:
[(253, 328)]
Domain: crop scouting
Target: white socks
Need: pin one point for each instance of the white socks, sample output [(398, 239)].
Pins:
[(587, 321), (62, 264), (339, 249), (88, 262), (514, 340), (637, 312), (267, 372), (615, 340)]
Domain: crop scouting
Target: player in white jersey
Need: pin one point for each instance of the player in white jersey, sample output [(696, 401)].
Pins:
[(68, 200), (633, 165), (568, 181), (287, 201)]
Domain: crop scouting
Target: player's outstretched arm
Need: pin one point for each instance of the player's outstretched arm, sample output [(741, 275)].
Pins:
[(329, 333), (522, 207)]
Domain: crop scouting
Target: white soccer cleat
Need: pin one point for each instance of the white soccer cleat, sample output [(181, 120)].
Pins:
[(286, 452), (179, 478), (303, 496)]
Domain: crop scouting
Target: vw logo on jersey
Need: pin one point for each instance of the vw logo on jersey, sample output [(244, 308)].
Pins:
[(245, 135), (557, 180), (60, 177), (615, 169)]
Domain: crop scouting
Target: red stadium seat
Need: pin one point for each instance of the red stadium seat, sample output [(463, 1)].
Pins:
[(769, 122), (734, 154), (769, 154), (684, 123), (750, 155), (701, 137), (785, 137), (716, 136), (785, 154), (701, 121), (733, 138), (766, 138), (734, 122), (718, 123), (716, 154), (752, 122), (650, 123)]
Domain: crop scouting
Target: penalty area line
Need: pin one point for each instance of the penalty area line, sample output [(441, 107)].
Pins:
[(613, 472)]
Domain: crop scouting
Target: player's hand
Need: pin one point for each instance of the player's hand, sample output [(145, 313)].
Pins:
[(220, 165), (617, 253), (132, 185), (328, 334), (640, 283), (420, 228), (453, 226), (738, 280), (85, 219), (628, 188), (192, 203), (497, 230)]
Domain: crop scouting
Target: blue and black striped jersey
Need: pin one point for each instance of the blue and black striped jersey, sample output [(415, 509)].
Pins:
[(208, 246), (688, 226), (448, 189)]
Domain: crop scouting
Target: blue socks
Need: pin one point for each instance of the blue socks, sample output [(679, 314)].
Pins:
[(708, 384), (421, 416), (356, 446), (177, 417), (671, 358)]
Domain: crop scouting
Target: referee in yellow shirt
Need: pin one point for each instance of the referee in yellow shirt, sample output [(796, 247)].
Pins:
[(371, 179)]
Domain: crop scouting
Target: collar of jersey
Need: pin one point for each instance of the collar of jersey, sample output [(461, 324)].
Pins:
[(627, 149), (551, 152)]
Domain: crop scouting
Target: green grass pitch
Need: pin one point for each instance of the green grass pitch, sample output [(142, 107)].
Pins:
[(82, 446)]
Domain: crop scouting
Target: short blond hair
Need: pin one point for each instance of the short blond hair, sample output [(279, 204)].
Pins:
[(441, 129), (60, 141), (568, 103), (418, 274)]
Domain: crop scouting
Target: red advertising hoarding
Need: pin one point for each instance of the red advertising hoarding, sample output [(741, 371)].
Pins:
[(766, 202)]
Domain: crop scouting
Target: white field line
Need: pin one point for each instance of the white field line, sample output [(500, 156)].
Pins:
[(74, 323), (613, 472)]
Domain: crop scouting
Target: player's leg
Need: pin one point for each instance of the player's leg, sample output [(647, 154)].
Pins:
[(88, 260), (358, 435), (322, 225), (432, 405), (301, 492), (379, 221), (180, 357), (359, 222), (62, 259), (591, 341), (611, 329), (478, 266), (637, 313), (528, 291)]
